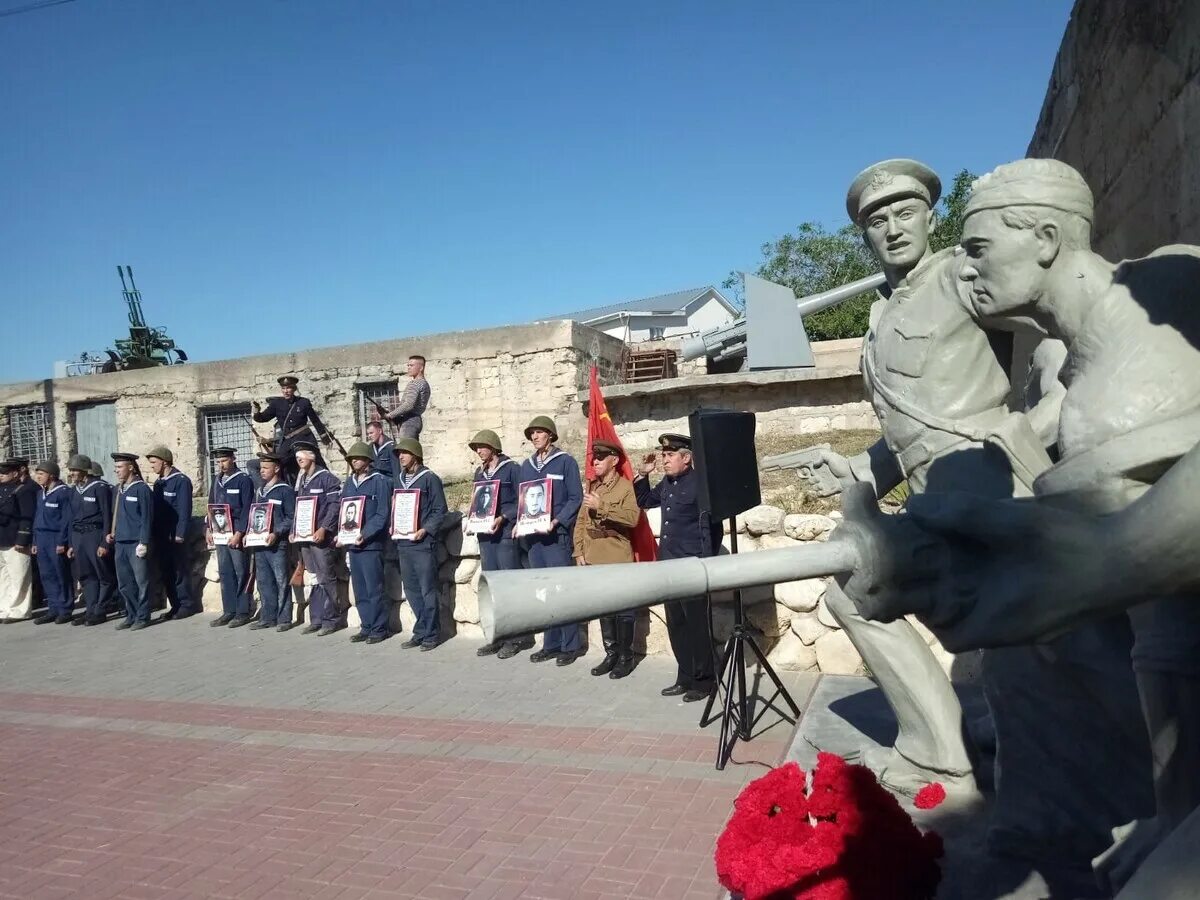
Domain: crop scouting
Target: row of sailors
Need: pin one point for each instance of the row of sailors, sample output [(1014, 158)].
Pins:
[(589, 525)]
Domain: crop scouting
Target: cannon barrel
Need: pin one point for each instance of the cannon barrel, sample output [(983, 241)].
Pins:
[(730, 340), (518, 602)]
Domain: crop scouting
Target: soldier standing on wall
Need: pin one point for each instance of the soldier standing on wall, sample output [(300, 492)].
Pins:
[(292, 415), (407, 413)]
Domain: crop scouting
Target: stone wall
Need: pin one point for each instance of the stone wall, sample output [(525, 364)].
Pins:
[(1123, 107)]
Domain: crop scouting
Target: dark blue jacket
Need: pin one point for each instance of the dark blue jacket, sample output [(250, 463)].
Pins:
[(376, 493), (431, 507), (52, 518), (291, 415), (686, 531), (135, 516), (237, 490), (282, 498), (566, 496), (508, 474), (92, 507), (327, 488), (172, 506), (18, 503), (386, 463)]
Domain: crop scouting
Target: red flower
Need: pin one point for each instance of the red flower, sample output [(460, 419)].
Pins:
[(930, 796), (845, 839)]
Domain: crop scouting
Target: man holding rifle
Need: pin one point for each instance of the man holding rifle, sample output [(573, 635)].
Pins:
[(292, 415)]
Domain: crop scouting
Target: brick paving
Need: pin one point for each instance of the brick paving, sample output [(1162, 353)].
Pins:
[(186, 761)]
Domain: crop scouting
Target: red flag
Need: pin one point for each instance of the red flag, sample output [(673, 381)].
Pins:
[(600, 428)]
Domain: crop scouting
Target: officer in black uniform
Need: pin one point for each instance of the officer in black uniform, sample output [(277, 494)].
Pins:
[(686, 531), (292, 415)]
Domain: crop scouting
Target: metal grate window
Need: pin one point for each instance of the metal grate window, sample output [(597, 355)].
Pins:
[(31, 432), (228, 427), (385, 393)]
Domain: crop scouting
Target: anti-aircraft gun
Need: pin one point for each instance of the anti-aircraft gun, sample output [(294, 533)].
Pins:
[(146, 347)]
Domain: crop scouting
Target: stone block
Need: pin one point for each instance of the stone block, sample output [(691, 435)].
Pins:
[(824, 616), (800, 596), (466, 604), (810, 527), (210, 597), (791, 654), (836, 655), (808, 628), (763, 519), (465, 571), (771, 619), (211, 573), (776, 542)]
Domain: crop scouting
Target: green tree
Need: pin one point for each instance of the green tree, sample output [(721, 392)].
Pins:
[(813, 260)]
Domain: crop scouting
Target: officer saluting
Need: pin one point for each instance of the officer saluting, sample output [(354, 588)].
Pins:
[(92, 505), (685, 532), (292, 414)]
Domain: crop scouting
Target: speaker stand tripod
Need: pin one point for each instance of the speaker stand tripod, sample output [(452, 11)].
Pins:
[(737, 723)]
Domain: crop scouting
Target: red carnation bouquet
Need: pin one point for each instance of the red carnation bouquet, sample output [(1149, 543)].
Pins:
[(845, 838)]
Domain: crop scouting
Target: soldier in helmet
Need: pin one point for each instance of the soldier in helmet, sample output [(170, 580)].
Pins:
[(497, 549), (233, 488), (270, 562), (554, 546), (91, 518), (374, 491), (292, 415), (172, 515), (320, 556), (130, 538), (418, 556), (51, 539)]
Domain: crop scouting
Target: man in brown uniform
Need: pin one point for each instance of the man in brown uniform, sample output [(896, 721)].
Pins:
[(603, 534)]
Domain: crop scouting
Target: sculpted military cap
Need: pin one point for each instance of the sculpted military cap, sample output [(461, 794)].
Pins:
[(219, 452), (1032, 182), (674, 442), (606, 447), (124, 457), (270, 457), (409, 445), (486, 438), (545, 423), (49, 466), (79, 463), (162, 453), (892, 179), (305, 445), (360, 450), (288, 381)]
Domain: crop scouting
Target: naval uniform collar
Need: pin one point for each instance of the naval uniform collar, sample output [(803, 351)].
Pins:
[(225, 479), (267, 488), (47, 493), (502, 461), (358, 482), (408, 481), (540, 464)]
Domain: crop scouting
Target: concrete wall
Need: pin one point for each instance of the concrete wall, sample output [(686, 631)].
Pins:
[(497, 378), (1123, 107)]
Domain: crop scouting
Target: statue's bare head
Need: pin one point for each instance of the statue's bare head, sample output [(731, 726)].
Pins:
[(1022, 221), (892, 201)]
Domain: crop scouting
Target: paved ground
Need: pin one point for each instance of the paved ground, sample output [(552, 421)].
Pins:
[(186, 761)]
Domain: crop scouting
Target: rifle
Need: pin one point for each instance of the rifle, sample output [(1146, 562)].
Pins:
[(811, 469), (383, 416), (266, 443)]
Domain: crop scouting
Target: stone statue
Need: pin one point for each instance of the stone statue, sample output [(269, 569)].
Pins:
[(1114, 524), (939, 382)]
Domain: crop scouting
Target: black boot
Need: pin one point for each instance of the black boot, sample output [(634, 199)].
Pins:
[(611, 638), (606, 664), (624, 650)]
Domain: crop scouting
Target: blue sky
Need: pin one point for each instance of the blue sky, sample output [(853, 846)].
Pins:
[(291, 173)]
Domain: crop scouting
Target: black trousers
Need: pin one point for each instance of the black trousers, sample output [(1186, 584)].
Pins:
[(687, 627)]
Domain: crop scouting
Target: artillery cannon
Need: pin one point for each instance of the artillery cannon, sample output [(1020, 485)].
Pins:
[(146, 346)]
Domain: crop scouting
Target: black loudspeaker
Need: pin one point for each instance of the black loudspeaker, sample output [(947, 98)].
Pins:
[(725, 460)]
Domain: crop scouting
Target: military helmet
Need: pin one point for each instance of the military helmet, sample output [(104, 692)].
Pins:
[(161, 452), (361, 450), (545, 423), (79, 463), (410, 445), (49, 466), (486, 438)]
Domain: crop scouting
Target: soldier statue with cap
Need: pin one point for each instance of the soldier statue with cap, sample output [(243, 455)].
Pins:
[(232, 487), (271, 562), (91, 517), (685, 531), (18, 503), (419, 555), (295, 420), (130, 537), (320, 557), (497, 548), (554, 546), (51, 540), (366, 555), (604, 534), (172, 516)]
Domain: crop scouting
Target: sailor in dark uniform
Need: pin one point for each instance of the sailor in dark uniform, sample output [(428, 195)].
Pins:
[(292, 415), (270, 562), (321, 557), (130, 538), (384, 447), (18, 502), (232, 486), (366, 557), (51, 539), (172, 515), (685, 532), (418, 556), (92, 509)]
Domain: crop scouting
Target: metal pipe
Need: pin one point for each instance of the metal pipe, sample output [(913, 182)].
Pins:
[(832, 297)]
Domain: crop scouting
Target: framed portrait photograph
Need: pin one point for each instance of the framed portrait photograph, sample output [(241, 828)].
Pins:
[(260, 525), (304, 525), (406, 510), (350, 520), (220, 524), (485, 500), (533, 506)]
